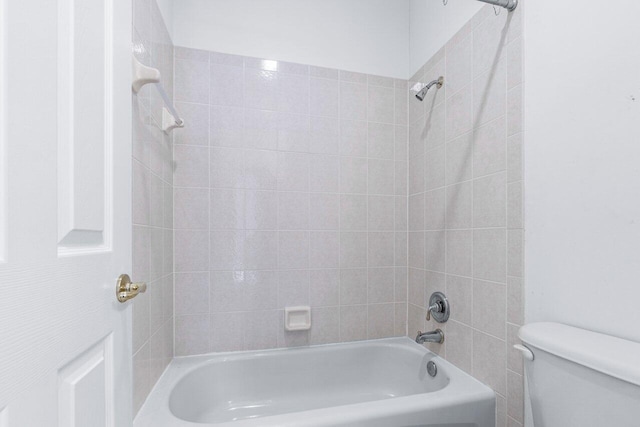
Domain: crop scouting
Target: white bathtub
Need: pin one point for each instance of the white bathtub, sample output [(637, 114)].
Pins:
[(369, 383)]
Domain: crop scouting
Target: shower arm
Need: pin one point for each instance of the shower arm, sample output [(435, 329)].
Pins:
[(510, 5)]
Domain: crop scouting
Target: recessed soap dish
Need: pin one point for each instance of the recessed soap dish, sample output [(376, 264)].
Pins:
[(297, 318)]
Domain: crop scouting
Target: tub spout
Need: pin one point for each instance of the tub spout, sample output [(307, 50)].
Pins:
[(433, 336)]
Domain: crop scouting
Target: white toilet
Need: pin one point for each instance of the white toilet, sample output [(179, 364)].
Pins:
[(579, 378)]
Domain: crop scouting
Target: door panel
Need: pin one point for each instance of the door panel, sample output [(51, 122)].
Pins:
[(65, 203)]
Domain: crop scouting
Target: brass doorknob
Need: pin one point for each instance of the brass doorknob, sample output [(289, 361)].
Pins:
[(126, 290)]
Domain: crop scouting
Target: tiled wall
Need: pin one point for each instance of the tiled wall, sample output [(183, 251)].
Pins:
[(290, 189), (152, 207), (465, 203)]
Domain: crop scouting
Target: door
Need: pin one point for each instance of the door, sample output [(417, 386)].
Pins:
[(65, 137)]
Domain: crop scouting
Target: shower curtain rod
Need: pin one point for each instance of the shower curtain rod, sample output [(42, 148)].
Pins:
[(510, 5)]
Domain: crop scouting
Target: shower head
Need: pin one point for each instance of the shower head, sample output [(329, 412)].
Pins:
[(423, 92)]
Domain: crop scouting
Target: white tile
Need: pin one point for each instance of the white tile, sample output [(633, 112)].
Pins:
[(324, 287), (260, 129), (353, 286), (227, 331), (226, 85), (261, 168), (353, 175), (514, 253), (381, 213), (191, 166), (490, 148), (261, 89), (514, 110), (326, 325), (293, 288), (293, 249), (416, 174), (459, 252), (261, 290), (515, 312), (459, 63), (192, 334), (514, 63), (489, 95), (192, 293), (324, 136), (489, 361), (191, 250), (460, 345), (324, 173), (489, 255), (260, 210), (227, 208), (489, 201), (459, 159), (381, 249), (293, 93), (416, 212), (227, 168), (293, 172), (226, 250), (380, 104), (353, 322), (459, 289), (293, 211), (353, 249), (353, 212), (324, 211), (459, 202), (324, 249), (381, 176), (434, 169), (380, 285), (489, 308), (435, 124), (435, 209), (380, 320), (260, 250), (293, 132), (191, 81), (227, 291), (197, 132), (381, 140), (514, 158), (514, 205), (191, 208), (459, 118), (324, 97), (353, 138), (416, 249), (353, 101), (227, 127)]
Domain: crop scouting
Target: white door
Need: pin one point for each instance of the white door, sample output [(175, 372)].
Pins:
[(65, 137)]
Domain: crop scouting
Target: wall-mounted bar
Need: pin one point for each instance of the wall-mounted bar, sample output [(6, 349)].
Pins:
[(143, 75), (510, 5)]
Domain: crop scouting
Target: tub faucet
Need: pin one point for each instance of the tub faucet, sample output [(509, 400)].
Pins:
[(433, 336)]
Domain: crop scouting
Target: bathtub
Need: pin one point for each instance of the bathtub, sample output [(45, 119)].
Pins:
[(368, 383)]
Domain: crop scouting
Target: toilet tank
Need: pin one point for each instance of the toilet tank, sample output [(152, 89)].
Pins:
[(579, 378)]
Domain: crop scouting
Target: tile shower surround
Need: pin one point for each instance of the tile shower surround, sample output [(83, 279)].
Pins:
[(290, 189), (465, 203), (152, 208)]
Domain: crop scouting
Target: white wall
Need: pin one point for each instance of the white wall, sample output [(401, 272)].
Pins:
[(582, 162), (166, 10), (432, 24), (369, 36)]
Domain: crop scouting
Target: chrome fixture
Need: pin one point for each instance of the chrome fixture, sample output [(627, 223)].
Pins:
[(510, 5), (436, 336), (423, 92), (432, 369), (438, 307)]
